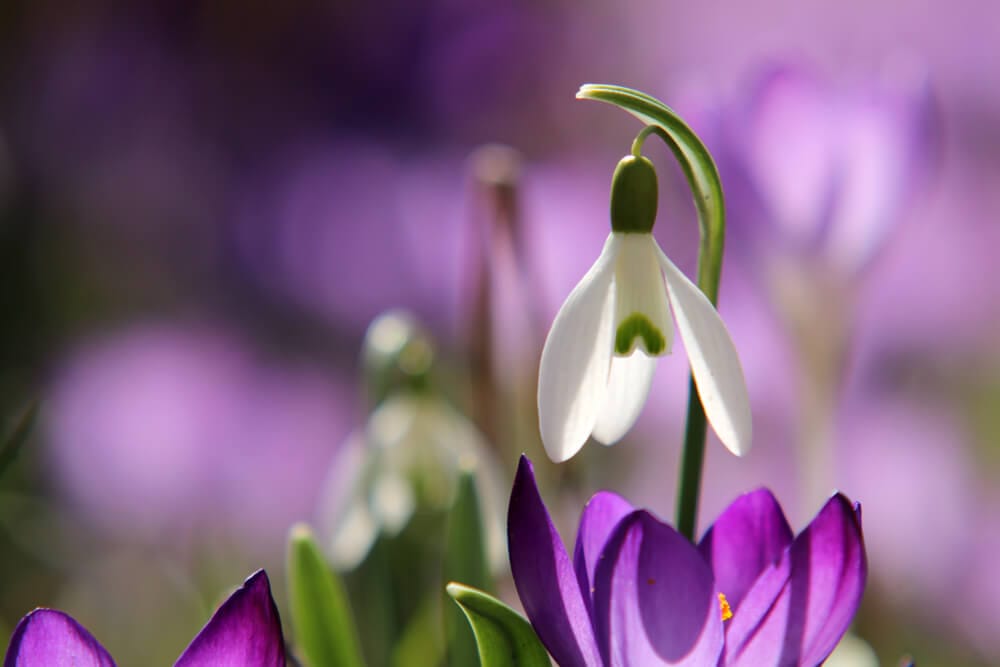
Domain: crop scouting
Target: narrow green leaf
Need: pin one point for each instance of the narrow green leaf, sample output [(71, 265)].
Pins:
[(12, 445), (504, 637), (324, 627), (421, 643), (375, 581), (464, 560)]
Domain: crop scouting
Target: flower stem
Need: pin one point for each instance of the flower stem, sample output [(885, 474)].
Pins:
[(692, 461), (706, 188), (645, 132)]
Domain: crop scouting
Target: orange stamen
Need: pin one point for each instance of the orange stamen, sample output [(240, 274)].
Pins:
[(727, 611)]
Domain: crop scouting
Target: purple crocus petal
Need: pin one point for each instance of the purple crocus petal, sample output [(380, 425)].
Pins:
[(791, 109), (755, 635), (544, 576), (655, 602), (798, 610), (883, 136), (49, 638), (246, 630), (602, 513), (750, 536)]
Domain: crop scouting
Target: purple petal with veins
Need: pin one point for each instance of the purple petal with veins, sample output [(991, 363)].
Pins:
[(602, 513), (246, 630), (750, 536), (798, 610), (544, 576), (643, 595), (655, 601), (47, 638)]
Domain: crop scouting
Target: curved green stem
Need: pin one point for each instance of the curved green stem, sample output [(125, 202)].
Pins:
[(645, 132), (706, 187)]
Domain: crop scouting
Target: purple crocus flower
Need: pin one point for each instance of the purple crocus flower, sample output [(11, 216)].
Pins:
[(820, 172), (638, 594), (246, 630), (135, 410)]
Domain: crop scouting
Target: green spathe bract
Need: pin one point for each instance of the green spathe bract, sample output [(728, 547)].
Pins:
[(633, 195), (505, 638), (635, 326)]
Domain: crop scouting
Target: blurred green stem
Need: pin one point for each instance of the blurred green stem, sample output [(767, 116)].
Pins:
[(11, 447)]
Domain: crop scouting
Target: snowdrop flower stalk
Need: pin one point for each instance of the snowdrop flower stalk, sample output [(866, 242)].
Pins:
[(598, 361)]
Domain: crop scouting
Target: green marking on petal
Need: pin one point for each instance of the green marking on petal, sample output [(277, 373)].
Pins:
[(638, 325)]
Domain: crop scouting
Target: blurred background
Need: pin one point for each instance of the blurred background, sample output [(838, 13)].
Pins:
[(203, 206)]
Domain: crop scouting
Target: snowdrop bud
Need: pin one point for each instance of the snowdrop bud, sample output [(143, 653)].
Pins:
[(397, 353), (633, 195)]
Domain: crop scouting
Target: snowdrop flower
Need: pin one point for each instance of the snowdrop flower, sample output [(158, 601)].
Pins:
[(409, 456), (598, 360)]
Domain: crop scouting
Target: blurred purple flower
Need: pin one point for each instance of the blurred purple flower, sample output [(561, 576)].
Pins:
[(818, 175), (245, 630), (350, 231), (638, 593), (824, 170), (163, 430), (929, 287)]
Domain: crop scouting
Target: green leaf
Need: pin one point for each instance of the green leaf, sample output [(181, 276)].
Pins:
[(421, 643), (504, 637), (698, 166), (464, 560), (12, 445), (379, 619), (324, 627)]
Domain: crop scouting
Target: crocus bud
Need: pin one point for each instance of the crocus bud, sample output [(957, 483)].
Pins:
[(633, 195)]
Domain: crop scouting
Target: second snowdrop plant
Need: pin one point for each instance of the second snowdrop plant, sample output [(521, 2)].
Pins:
[(598, 361)]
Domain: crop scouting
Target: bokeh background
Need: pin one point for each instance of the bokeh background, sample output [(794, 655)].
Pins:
[(203, 205)]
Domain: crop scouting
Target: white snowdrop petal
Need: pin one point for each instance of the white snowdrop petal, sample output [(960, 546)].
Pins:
[(642, 319), (628, 386), (572, 380), (714, 362), (353, 536), (393, 501)]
